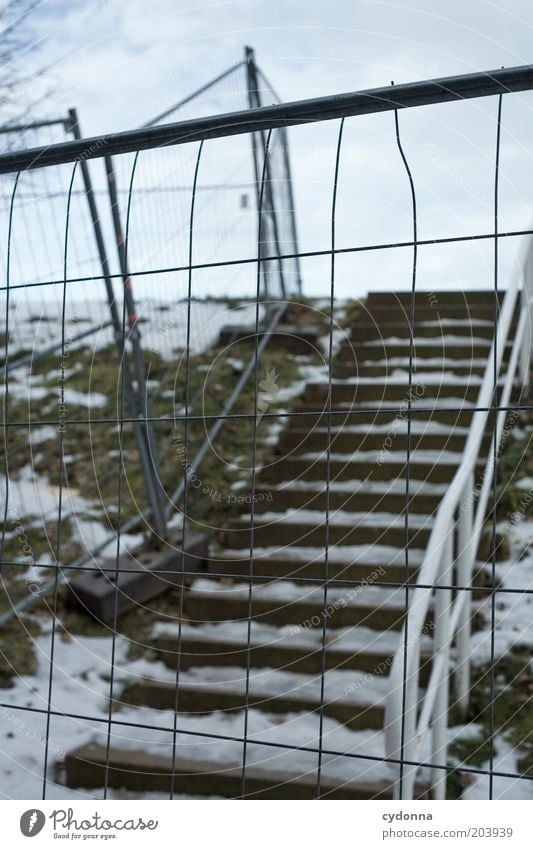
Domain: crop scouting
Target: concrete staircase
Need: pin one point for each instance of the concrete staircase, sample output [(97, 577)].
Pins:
[(266, 615)]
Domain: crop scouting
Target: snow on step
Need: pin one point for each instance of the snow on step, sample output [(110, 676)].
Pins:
[(396, 487), (405, 362), (340, 517), (354, 639), (352, 685), (371, 554), (450, 339), (430, 378), (417, 455), (401, 406), (456, 322), (418, 427), (288, 592), (81, 675)]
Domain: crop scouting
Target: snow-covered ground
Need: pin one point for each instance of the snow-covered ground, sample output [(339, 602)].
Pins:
[(513, 629), (35, 325), (81, 687)]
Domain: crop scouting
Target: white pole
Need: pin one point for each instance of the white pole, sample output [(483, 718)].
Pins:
[(465, 562), (443, 600)]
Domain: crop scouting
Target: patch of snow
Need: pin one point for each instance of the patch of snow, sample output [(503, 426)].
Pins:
[(288, 591), (343, 518), (372, 553)]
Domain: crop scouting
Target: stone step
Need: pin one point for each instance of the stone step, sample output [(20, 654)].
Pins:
[(297, 528), (374, 607), (195, 700), (379, 313), (441, 315), (361, 466), (434, 330), (357, 350), (363, 563), (347, 370), (471, 298), (92, 765), (452, 412), (370, 652), (391, 391), (368, 564), (343, 440), (360, 498)]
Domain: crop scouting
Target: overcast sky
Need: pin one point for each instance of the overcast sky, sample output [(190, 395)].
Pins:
[(105, 48), (122, 61)]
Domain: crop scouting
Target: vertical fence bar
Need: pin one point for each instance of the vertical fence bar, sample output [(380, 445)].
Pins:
[(408, 709), (442, 614)]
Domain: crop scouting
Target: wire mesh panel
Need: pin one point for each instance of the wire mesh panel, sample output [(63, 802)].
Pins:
[(256, 545)]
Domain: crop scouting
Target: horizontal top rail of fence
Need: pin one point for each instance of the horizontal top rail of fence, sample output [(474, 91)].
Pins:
[(384, 99)]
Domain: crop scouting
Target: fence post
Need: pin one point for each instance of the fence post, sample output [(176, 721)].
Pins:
[(442, 638), (268, 206), (292, 211), (135, 411), (147, 444)]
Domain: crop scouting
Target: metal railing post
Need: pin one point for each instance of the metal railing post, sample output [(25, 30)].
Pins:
[(411, 712), (527, 307), (442, 639), (465, 562)]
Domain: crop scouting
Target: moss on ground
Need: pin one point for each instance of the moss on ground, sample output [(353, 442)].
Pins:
[(515, 464), (17, 654)]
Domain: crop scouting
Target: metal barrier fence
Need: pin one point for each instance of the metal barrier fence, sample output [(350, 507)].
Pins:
[(191, 419)]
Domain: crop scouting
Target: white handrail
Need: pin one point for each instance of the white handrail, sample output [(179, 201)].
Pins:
[(404, 735)]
